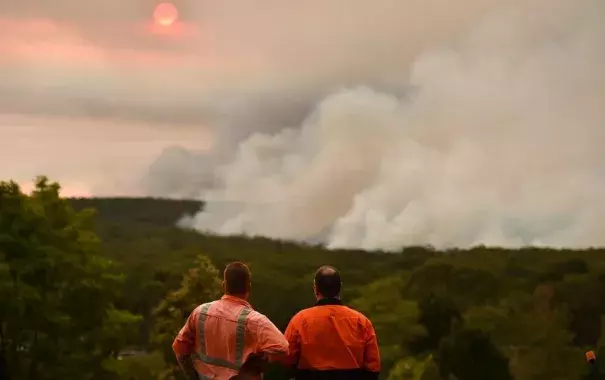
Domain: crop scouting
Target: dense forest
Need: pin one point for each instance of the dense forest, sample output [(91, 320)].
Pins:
[(97, 289)]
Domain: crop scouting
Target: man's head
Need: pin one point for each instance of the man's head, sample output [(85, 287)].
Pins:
[(237, 280), (327, 282)]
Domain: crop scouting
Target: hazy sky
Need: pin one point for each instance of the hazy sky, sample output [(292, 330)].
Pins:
[(88, 87)]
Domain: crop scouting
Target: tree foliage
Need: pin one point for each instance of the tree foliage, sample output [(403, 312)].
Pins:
[(57, 293), (470, 355), (72, 284), (383, 302)]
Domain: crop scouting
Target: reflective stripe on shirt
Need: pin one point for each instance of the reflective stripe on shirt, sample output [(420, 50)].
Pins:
[(239, 340)]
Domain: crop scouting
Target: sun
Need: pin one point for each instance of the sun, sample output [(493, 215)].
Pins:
[(165, 14)]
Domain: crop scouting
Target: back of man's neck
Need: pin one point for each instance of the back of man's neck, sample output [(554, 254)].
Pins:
[(240, 296)]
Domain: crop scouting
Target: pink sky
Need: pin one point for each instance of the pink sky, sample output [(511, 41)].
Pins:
[(88, 156), (92, 93), (62, 43)]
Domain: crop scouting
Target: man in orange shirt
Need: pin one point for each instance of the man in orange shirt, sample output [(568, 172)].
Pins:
[(331, 341), (220, 336)]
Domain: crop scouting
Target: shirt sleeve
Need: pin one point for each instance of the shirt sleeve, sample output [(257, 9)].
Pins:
[(184, 343), (269, 339), (293, 337), (371, 357)]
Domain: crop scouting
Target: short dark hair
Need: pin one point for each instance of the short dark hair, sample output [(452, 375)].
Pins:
[(237, 278), (327, 281)]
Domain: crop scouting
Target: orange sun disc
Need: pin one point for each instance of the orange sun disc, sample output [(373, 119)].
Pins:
[(165, 14)]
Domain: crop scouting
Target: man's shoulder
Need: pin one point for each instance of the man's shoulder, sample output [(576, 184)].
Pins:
[(306, 312), (300, 316), (199, 308), (206, 305), (257, 318), (342, 311), (357, 314), (203, 307), (318, 311), (253, 314)]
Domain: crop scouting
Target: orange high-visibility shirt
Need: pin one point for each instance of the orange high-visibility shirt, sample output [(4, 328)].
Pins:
[(219, 336), (332, 341)]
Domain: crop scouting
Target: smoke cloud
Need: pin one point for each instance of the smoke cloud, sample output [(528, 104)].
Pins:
[(357, 123), (494, 138)]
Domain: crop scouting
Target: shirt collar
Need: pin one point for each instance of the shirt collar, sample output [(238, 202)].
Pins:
[(237, 300), (328, 301)]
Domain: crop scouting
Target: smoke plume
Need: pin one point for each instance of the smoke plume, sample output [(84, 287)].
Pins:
[(357, 123), (494, 138)]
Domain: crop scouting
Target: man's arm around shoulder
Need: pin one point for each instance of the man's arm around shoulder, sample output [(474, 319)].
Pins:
[(269, 339), (292, 335)]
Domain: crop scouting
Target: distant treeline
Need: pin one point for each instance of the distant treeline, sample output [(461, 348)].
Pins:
[(159, 212)]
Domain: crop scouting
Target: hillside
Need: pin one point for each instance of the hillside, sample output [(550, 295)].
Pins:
[(153, 211), (140, 235), (549, 301)]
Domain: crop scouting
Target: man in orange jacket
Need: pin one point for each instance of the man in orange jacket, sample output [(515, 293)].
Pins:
[(220, 336), (329, 340)]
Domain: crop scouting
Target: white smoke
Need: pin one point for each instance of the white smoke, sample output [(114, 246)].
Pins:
[(497, 141)]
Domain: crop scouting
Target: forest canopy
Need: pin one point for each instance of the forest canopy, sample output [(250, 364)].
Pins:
[(97, 289)]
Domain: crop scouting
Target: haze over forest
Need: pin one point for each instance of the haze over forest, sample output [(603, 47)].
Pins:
[(355, 123)]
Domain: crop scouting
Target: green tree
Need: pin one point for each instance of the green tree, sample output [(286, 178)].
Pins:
[(201, 284), (469, 354), (409, 368), (140, 367), (462, 284), (395, 319), (536, 341), (431, 371), (58, 318), (583, 294), (437, 315)]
